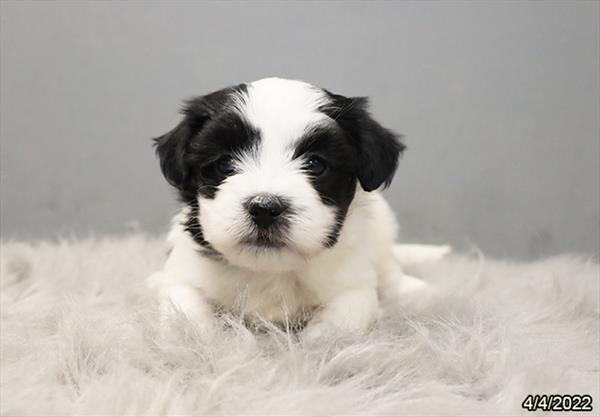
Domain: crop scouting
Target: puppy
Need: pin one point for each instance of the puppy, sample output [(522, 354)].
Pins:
[(281, 217)]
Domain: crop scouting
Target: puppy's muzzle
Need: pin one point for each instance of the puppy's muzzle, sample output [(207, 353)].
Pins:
[(265, 209)]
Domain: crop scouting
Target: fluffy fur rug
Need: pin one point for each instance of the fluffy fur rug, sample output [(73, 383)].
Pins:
[(80, 337)]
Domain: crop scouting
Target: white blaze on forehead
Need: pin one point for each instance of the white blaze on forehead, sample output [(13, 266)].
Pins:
[(282, 110)]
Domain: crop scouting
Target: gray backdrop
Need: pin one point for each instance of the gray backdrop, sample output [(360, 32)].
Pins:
[(499, 103)]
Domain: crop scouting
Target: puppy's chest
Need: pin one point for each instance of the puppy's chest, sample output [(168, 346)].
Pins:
[(273, 297)]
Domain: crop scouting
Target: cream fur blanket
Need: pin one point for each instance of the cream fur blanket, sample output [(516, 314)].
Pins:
[(79, 337)]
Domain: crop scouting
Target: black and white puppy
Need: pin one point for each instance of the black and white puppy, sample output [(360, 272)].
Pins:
[(281, 217)]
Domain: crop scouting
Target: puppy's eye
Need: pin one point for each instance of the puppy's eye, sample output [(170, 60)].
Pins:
[(315, 165), (224, 166), (221, 168)]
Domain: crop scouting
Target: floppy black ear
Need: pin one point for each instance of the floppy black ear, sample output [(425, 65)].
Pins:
[(378, 148), (172, 147)]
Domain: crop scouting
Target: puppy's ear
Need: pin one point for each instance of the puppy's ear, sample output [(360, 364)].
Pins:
[(378, 148), (172, 147)]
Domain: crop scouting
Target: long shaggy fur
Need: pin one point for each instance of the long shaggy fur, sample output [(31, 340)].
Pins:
[(80, 336)]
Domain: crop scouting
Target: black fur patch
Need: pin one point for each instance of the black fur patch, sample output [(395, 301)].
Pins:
[(377, 148), (226, 136), (355, 148), (192, 226), (209, 131), (337, 184)]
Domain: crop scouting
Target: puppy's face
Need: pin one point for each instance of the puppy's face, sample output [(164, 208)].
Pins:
[(270, 168)]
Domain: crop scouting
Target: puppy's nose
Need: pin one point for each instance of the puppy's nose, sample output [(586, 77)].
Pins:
[(265, 208)]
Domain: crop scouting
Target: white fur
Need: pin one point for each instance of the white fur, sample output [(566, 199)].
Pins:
[(414, 253), (352, 270), (340, 283), (79, 337)]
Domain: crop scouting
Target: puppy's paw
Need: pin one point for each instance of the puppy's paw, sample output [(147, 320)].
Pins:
[(322, 332), (319, 333), (410, 294), (175, 327), (183, 310), (185, 321), (347, 316)]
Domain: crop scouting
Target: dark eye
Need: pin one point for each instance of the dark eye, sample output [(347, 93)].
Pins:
[(221, 168), (224, 166), (315, 165)]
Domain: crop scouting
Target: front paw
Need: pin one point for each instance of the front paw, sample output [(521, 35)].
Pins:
[(347, 316), (320, 332), (183, 310), (175, 327)]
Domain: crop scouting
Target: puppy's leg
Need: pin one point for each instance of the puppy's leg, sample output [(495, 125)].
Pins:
[(186, 300), (177, 285), (351, 312), (181, 299)]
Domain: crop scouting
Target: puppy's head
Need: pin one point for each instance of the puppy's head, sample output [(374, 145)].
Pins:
[(270, 168)]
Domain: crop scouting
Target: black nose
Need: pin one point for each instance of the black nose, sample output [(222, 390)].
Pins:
[(264, 209)]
